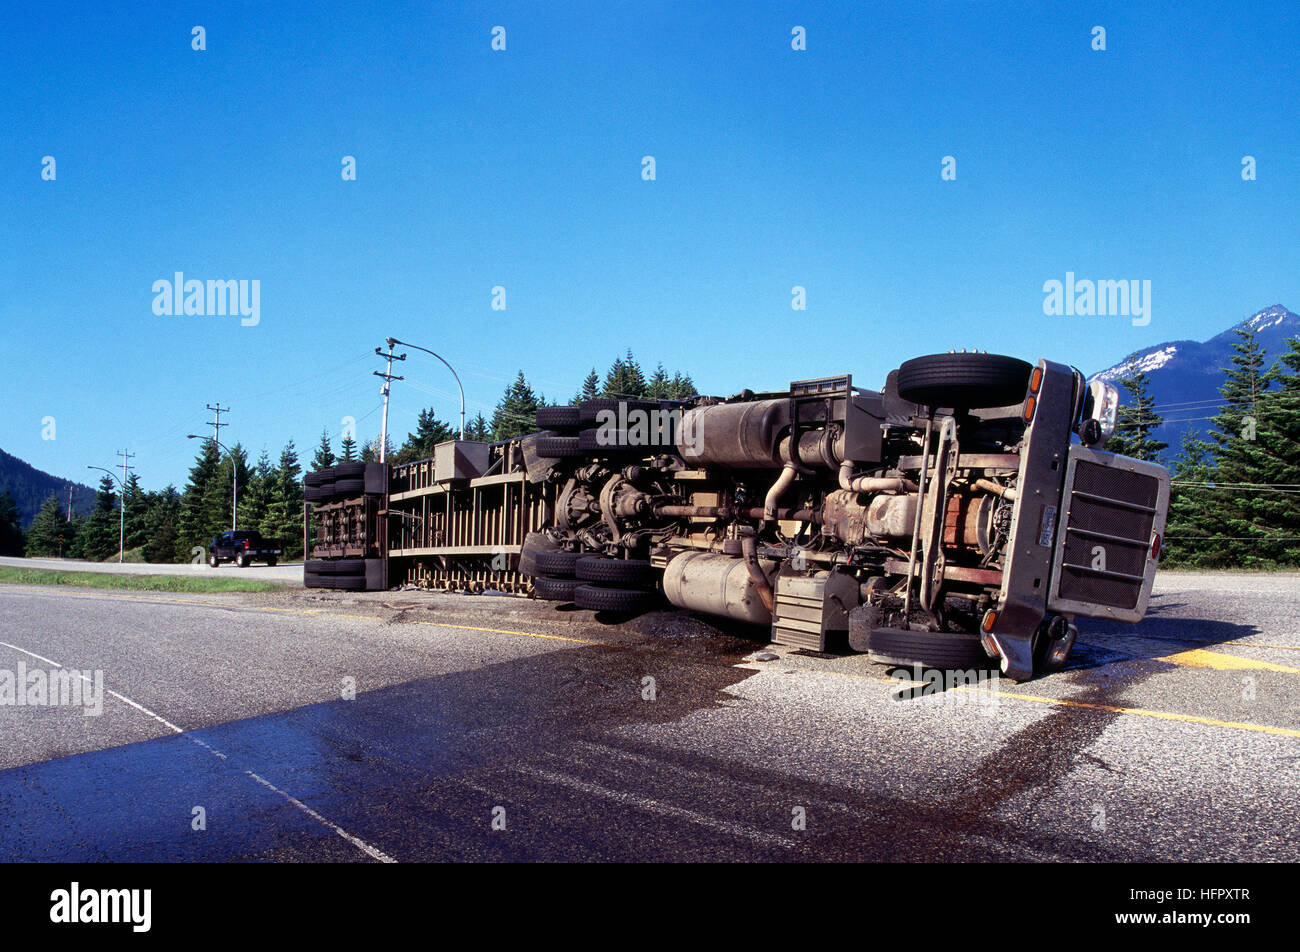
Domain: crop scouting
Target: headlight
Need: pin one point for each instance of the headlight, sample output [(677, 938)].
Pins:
[(1105, 409)]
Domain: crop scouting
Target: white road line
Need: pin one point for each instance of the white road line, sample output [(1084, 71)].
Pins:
[(655, 806), (359, 843)]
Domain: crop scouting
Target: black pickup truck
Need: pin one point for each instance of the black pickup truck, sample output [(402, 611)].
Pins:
[(243, 547)]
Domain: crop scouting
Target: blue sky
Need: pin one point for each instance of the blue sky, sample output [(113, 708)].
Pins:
[(522, 168)]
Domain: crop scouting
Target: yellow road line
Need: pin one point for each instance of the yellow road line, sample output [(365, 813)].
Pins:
[(1200, 658), (1162, 715)]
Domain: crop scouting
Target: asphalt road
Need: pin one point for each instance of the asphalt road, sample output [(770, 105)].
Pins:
[(260, 571), (1177, 739)]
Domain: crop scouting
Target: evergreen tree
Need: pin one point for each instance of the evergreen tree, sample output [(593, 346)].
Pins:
[(255, 498), (162, 528), (516, 414), (1239, 458), (1277, 457), (348, 453), (324, 452), (97, 540), (284, 513), (1137, 418), (198, 523), (478, 430), (11, 529), (1192, 521), (659, 387), (49, 533), (682, 387), (221, 495), (590, 388), (137, 509), (625, 378), (429, 432), (370, 451)]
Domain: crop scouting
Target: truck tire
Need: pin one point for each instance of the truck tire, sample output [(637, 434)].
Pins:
[(352, 486), (558, 564), (343, 567), (313, 580), (597, 568), (554, 589), (598, 598), (213, 560), (964, 381), (320, 477), (352, 583), (591, 408), (596, 440), (559, 418), (558, 447), (271, 560), (945, 650), (351, 469), (318, 493), (242, 561)]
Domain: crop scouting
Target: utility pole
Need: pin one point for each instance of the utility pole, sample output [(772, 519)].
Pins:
[(121, 504), (69, 502), (388, 380), (216, 424)]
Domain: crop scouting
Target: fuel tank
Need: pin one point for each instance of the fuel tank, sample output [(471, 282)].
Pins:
[(741, 435), (717, 585)]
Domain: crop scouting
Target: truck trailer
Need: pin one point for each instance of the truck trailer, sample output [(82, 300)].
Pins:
[(964, 516)]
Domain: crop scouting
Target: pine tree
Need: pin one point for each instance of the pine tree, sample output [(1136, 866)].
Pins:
[(284, 513), (516, 414), (98, 538), (49, 532), (1239, 458), (370, 451), (1192, 521), (162, 528), (11, 529), (1277, 457), (221, 495), (624, 379), (348, 453), (682, 387), (255, 498), (429, 432), (198, 524), (590, 388), (478, 430), (1137, 418), (324, 452), (659, 387), (137, 508)]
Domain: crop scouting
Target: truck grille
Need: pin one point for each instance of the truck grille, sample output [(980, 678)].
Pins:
[(1113, 507)]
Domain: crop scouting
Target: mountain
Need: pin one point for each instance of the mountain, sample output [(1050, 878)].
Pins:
[(1186, 374), (30, 487)]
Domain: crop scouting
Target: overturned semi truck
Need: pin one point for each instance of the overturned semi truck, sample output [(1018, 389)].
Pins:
[(963, 516)]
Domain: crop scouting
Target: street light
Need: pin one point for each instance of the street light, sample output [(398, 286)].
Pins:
[(234, 475), (393, 342), (121, 511)]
